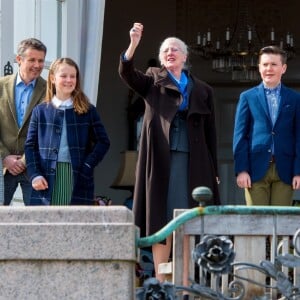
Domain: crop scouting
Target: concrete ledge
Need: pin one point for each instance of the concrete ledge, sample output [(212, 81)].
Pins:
[(66, 214), (72, 241), (52, 280), (67, 253)]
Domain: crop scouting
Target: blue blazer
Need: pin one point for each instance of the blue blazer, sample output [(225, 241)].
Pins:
[(254, 134)]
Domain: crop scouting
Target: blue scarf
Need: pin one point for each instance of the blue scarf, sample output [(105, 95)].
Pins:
[(182, 86)]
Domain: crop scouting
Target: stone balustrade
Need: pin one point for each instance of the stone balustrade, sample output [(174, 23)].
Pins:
[(67, 253)]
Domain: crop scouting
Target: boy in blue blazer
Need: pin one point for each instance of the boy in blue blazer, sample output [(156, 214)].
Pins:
[(266, 141)]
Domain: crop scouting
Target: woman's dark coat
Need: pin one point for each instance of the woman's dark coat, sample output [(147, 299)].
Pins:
[(162, 99)]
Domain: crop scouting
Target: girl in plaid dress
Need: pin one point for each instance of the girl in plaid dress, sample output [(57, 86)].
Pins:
[(66, 140)]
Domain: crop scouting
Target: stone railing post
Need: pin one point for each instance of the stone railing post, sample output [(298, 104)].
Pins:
[(67, 253)]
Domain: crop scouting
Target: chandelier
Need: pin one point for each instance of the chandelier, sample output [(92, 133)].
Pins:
[(238, 52)]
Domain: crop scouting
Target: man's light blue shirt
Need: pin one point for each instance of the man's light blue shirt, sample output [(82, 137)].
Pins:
[(273, 99), (23, 95)]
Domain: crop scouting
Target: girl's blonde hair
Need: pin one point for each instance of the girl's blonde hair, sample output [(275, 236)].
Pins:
[(81, 102)]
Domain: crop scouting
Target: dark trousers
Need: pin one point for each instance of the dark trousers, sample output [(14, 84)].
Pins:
[(11, 183)]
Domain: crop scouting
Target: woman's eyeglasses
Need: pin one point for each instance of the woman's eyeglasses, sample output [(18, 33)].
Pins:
[(171, 49)]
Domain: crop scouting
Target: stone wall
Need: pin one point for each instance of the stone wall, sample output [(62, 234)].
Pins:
[(67, 253)]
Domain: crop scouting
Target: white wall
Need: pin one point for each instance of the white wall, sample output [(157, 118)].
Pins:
[(39, 19), (6, 37), (70, 28)]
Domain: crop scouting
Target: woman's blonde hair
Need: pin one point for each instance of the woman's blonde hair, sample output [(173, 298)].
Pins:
[(81, 102)]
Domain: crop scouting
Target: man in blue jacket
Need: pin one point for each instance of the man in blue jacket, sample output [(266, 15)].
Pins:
[(266, 142)]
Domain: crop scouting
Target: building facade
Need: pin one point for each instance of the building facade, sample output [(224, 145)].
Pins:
[(95, 32)]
